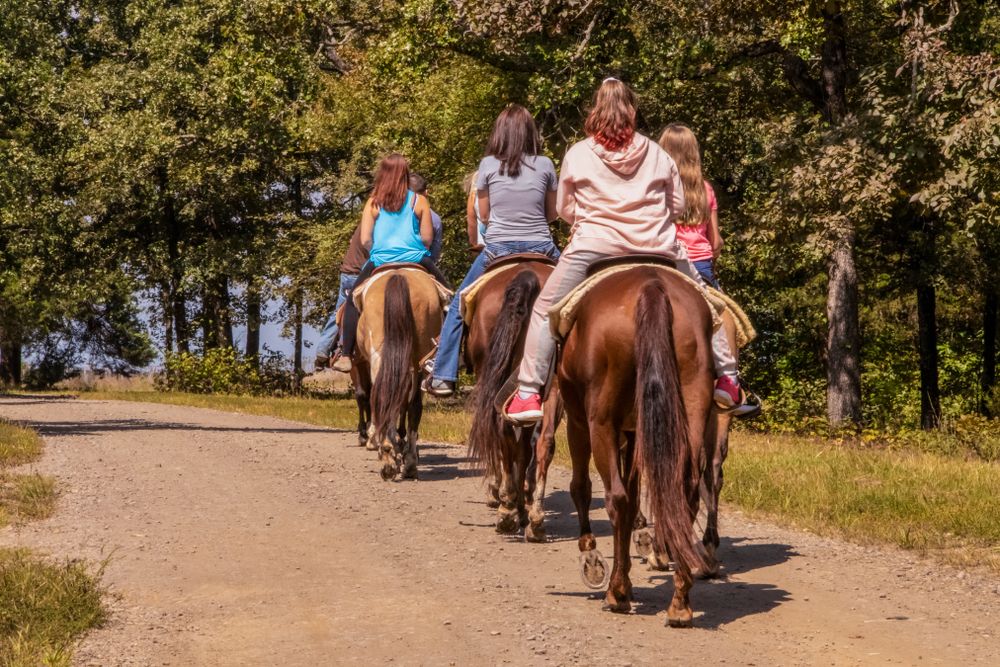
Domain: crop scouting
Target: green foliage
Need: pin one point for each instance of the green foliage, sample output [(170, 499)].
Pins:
[(224, 371)]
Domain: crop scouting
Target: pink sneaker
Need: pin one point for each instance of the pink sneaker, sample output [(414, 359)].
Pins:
[(525, 411), (727, 392)]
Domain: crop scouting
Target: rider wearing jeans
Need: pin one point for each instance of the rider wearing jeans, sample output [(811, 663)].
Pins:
[(515, 194), (354, 261), (618, 190)]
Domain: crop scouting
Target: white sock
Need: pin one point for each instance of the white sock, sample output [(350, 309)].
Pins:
[(525, 394)]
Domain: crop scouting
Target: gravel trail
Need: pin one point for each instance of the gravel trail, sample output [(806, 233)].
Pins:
[(243, 540)]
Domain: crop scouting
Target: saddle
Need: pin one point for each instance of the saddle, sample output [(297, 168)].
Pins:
[(625, 260), (519, 257), (358, 293), (467, 297)]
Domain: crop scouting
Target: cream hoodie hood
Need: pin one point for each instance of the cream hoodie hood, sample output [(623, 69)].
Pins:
[(620, 202), (624, 162)]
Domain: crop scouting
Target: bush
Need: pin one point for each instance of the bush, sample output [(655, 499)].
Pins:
[(225, 371)]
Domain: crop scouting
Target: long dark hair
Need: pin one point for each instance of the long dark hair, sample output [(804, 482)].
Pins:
[(514, 136), (392, 180)]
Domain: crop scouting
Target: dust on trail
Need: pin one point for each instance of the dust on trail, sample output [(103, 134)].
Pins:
[(242, 540)]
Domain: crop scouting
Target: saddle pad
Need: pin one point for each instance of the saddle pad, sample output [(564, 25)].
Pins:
[(745, 332), (467, 297), (562, 315), (444, 293)]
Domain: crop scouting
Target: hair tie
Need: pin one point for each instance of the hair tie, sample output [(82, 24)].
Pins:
[(610, 78)]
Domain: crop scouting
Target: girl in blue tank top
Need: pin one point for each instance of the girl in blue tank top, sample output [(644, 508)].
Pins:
[(396, 227), (396, 236)]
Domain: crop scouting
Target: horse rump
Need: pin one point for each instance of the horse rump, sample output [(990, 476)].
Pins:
[(662, 439), (486, 434), (392, 385)]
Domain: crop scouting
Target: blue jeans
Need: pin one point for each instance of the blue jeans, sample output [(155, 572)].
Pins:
[(446, 361), (328, 337), (705, 270)]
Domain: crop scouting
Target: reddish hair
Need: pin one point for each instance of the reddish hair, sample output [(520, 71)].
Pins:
[(611, 121), (392, 181)]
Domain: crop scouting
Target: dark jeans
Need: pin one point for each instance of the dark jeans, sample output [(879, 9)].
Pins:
[(707, 272), (351, 314)]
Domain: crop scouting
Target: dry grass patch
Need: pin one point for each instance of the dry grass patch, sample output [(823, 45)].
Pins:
[(45, 606), (945, 506), (18, 445)]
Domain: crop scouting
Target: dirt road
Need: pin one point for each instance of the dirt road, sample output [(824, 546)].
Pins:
[(243, 540)]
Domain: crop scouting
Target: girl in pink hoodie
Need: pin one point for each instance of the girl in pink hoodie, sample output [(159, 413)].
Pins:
[(619, 192)]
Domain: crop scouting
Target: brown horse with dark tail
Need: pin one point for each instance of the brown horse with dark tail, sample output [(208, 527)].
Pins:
[(493, 350), (637, 378)]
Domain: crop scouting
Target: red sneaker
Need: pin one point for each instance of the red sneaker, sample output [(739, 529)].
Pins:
[(727, 392), (525, 411)]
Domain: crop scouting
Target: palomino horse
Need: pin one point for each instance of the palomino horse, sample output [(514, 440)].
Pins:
[(637, 376), (494, 348), (402, 314)]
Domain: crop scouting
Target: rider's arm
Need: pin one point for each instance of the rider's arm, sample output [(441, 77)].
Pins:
[(471, 220), (714, 237), (484, 206), (423, 211), (551, 212), (368, 225)]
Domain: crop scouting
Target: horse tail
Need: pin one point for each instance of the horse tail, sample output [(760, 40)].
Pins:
[(391, 387), (487, 427), (662, 440)]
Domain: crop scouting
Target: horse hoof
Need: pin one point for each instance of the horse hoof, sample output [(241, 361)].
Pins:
[(617, 607), (594, 570), (643, 542), (534, 533), (389, 471), (363, 441), (370, 446), (659, 562), (686, 621), (410, 472), (507, 522), (523, 518)]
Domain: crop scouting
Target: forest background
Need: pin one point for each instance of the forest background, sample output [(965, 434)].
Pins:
[(211, 155)]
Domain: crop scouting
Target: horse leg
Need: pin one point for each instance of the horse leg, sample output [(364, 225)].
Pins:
[(716, 447), (545, 449), (362, 379), (411, 457), (614, 465), (593, 568), (507, 517), (523, 463)]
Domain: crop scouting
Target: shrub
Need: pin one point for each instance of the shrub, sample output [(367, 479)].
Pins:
[(225, 371)]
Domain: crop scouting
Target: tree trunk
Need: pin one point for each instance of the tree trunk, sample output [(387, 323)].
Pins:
[(174, 257), (843, 402), (930, 392), (168, 319), (253, 319), (298, 341), (833, 56), (208, 309), (10, 363), (989, 348)]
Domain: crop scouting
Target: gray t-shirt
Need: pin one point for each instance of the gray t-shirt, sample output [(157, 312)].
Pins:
[(517, 205)]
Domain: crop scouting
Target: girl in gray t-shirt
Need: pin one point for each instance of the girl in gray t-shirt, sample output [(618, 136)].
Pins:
[(516, 199)]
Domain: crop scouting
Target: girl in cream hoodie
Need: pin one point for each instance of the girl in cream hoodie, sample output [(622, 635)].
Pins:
[(619, 192)]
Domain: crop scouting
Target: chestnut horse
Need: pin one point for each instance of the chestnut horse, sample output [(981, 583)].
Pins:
[(402, 315), (637, 376), (494, 348)]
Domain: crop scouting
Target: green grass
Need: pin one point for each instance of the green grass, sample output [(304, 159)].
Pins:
[(22, 496), (936, 503), (946, 506), (44, 607)]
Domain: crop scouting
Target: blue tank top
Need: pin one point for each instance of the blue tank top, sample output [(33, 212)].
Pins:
[(396, 237)]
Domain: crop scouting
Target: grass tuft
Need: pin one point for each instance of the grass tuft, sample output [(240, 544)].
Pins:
[(45, 606), (18, 445)]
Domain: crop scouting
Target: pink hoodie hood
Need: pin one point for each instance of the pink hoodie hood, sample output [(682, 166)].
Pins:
[(625, 162)]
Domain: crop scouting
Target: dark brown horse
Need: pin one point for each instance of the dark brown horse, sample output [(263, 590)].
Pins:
[(494, 349), (636, 376)]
